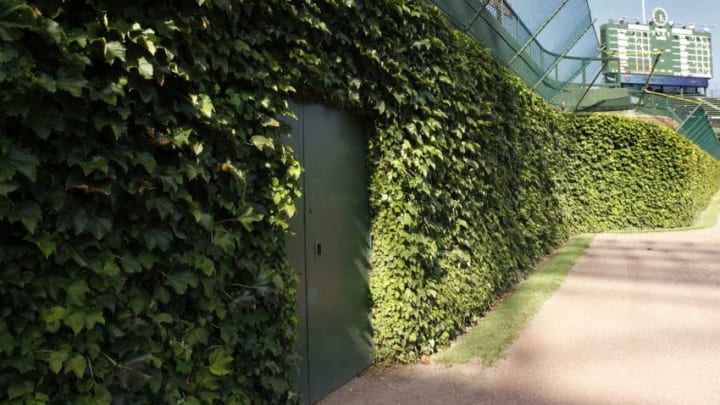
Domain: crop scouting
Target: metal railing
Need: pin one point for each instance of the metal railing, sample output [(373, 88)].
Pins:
[(553, 46)]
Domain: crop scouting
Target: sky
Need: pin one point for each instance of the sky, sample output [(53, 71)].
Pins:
[(696, 12)]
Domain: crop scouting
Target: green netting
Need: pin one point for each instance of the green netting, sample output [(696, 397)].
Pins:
[(681, 108), (548, 44), (690, 113), (697, 128), (553, 46), (577, 97)]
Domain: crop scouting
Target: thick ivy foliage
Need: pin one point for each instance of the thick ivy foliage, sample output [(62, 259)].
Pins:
[(624, 173), (143, 203), (144, 192)]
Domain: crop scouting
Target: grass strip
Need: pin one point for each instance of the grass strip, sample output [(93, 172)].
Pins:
[(708, 218), (494, 333), (500, 327)]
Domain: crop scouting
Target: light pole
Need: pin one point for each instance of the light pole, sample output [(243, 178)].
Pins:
[(644, 19)]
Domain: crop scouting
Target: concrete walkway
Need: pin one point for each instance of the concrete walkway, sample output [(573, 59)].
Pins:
[(637, 321)]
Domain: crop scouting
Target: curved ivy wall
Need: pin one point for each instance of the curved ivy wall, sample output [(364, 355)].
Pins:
[(144, 192), (624, 173)]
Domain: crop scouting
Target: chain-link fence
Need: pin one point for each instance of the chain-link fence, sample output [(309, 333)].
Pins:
[(549, 44), (697, 129), (691, 113)]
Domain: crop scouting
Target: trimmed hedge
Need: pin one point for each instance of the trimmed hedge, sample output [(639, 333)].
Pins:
[(144, 193), (623, 173)]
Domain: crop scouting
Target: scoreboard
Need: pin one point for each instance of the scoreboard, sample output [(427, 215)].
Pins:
[(685, 57)]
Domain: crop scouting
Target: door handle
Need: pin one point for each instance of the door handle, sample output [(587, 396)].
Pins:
[(318, 250)]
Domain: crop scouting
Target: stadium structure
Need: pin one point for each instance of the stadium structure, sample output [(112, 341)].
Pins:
[(644, 67), (658, 56)]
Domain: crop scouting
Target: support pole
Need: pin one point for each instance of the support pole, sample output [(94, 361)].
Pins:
[(477, 15), (537, 32), (644, 20), (582, 69), (562, 55), (697, 107), (652, 72), (587, 89)]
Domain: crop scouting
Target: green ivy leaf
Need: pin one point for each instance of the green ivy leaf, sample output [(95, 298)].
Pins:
[(43, 118), (53, 317), (109, 268), (44, 242), (75, 320), (17, 159), (249, 217), (145, 68), (39, 398), (73, 85), (56, 360), (220, 362), (79, 218), (110, 93), (19, 389), (7, 343), (201, 217), (180, 280), (114, 50), (28, 213), (162, 317), (147, 259), (200, 262), (99, 226), (271, 122), (96, 163), (204, 104), (162, 205), (130, 264), (262, 142), (93, 318), (76, 365), (76, 292), (7, 187), (380, 107), (147, 161), (224, 240), (158, 238), (102, 395)]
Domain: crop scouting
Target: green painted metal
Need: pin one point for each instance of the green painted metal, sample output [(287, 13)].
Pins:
[(295, 242), (581, 70), (565, 52), (549, 45), (587, 89), (537, 32), (690, 113), (697, 128), (686, 51), (472, 21), (530, 36), (330, 249), (652, 73)]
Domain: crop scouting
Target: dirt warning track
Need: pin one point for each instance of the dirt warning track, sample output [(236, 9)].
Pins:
[(637, 321)]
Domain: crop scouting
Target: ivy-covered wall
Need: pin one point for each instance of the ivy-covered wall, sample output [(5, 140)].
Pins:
[(143, 203), (144, 193), (623, 173)]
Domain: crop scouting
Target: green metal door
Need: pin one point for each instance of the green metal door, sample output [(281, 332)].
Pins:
[(330, 249)]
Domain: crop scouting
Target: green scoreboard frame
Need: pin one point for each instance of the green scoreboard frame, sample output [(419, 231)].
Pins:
[(684, 54)]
